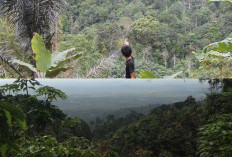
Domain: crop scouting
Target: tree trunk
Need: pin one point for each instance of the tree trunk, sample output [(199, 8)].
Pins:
[(189, 67), (189, 4), (54, 45), (174, 60), (165, 56), (71, 27)]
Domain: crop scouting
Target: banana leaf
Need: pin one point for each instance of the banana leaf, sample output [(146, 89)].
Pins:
[(31, 67), (42, 55)]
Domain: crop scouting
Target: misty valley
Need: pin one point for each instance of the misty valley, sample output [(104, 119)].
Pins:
[(93, 98), (115, 118)]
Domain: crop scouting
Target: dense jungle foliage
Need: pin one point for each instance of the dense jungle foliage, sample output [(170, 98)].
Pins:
[(165, 36), (32, 127)]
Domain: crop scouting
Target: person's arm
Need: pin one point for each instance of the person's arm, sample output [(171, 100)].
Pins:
[(132, 70), (126, 43), (132, 75)]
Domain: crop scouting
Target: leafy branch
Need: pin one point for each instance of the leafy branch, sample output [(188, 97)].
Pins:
[(8, 114), (50, 93)]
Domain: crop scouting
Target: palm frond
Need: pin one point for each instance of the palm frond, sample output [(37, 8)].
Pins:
[(29, 16), (6, 60)]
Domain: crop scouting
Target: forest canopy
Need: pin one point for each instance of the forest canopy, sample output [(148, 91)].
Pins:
[(167, 37)]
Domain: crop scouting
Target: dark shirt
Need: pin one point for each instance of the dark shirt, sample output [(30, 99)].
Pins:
[(130, 67)]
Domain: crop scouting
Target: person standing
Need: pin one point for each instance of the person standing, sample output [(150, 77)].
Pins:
[(130, 65)]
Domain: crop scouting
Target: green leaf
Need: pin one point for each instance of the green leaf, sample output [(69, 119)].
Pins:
[(22, 124), (76, 56), (8, 116), (10, 144), (3, 150), (146, 74), (228, 1), (51, 93), (222, 46), (59, 58), (53, 72), (16, 114), (218, 54), (42, 55), (31, 67)]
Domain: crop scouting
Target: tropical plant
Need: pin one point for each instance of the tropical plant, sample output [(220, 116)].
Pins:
[(215, 138), (222, 46), (10, 116), (50, 93), (8, 48), (216, 60), (47, 64), (26, 84), (144, 74), (49, 146), (29, 16), (9, 88)]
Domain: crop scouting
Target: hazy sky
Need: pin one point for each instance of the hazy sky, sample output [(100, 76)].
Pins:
[(161, 89), (89, 98)]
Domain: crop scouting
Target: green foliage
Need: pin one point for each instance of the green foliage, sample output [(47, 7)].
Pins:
[(81, 42), (29, 66), (218, 104), (216, 60), (144, 74), (97, 28), (10, 116), (14, 112), (107, 38), (170, 26), (59, 58), (39, 18), (26, 84), (222, 46), (19, 85), (45, 125), (188, 128), (215, 138), (121, 140), (228, 1), (216, 55), (177, 129), (42, 55), (50, 93), (8, 47), (47, 64), (146, 27), (111, 154), (9, 88), (49, 146)]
